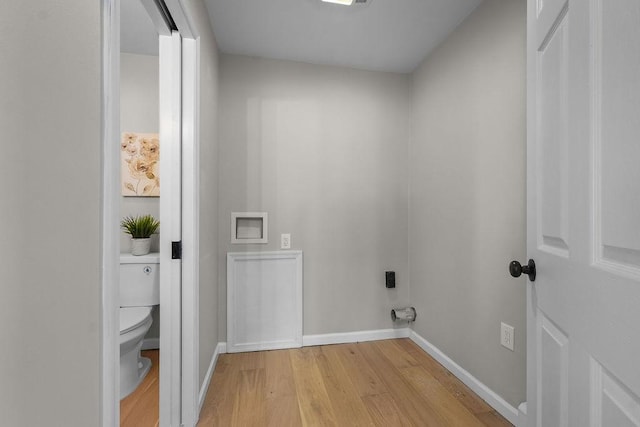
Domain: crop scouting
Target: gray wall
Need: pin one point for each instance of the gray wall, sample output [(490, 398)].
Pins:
[(467, 197), (323, 150), (50, 185), (208, 221), (139, 112)]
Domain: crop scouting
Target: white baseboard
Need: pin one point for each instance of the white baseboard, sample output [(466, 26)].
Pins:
[(221, 348), (350, 337), (151, 344), (488, 395), (522, 414)]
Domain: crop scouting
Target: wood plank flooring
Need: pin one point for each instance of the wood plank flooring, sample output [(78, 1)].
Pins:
[(141, 408), (381, 383)]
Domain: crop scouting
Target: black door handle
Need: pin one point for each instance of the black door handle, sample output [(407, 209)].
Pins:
[(516, 269)]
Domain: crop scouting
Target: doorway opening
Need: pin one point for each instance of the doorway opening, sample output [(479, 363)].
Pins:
[(175, 111), (140, 152)]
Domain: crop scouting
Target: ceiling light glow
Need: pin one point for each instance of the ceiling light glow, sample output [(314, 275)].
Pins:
[(342, 2)]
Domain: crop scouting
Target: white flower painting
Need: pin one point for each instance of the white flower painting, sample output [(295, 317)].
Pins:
[(140, 154)]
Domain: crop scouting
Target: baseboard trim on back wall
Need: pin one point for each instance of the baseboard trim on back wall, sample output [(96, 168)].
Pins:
[(150, 344), (488, 395), (221, 348), (351, 337)]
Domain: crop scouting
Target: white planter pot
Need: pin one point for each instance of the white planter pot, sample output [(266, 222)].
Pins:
[(140, 246)]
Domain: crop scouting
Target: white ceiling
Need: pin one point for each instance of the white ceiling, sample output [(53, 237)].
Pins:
[(383, 35), (137, 32)]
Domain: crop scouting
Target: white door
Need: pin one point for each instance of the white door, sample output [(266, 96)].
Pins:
[(583, 159), (171, 231)]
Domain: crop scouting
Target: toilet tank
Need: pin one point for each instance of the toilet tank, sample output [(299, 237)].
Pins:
[(139, 280)]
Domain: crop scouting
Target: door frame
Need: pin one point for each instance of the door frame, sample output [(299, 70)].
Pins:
[(180, 395), (190, 230), (531, 331)]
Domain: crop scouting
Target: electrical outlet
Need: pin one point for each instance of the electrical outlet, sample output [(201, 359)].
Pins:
[(506, 336), (285, 241)]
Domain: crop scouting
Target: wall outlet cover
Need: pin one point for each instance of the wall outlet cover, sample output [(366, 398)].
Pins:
[(506, 336), (285, 241)]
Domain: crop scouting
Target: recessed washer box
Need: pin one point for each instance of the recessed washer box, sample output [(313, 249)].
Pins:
[(249, 227)]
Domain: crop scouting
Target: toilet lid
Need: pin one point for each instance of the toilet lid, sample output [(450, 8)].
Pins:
[(132, 317)]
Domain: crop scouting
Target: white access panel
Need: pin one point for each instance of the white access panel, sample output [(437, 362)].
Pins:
[(264, 301)]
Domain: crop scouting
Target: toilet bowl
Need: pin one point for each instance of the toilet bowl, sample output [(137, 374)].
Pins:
[(139, 292), (134, 324)]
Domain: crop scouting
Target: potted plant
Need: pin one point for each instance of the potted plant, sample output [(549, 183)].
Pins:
[(140, 228)]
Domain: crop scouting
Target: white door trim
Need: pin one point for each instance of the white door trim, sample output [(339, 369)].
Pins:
[(531, 227), (190, 235), (110, 252), (182, 18)]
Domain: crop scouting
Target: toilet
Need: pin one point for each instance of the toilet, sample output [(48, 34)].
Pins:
[(139, 292)]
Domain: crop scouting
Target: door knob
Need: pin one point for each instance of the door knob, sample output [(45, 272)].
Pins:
[(516, 269)]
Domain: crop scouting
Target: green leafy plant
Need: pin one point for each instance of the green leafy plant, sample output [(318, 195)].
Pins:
[(140, 227)]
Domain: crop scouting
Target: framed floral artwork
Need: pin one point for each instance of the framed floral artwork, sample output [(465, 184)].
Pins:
[(140, 164)]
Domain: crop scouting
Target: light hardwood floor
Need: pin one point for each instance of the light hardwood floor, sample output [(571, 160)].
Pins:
[(382, 383), (141, 408)]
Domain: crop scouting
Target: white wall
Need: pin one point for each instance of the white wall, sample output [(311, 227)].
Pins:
[(467, 197), (139, 112), (50, 185), (323, 150)]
